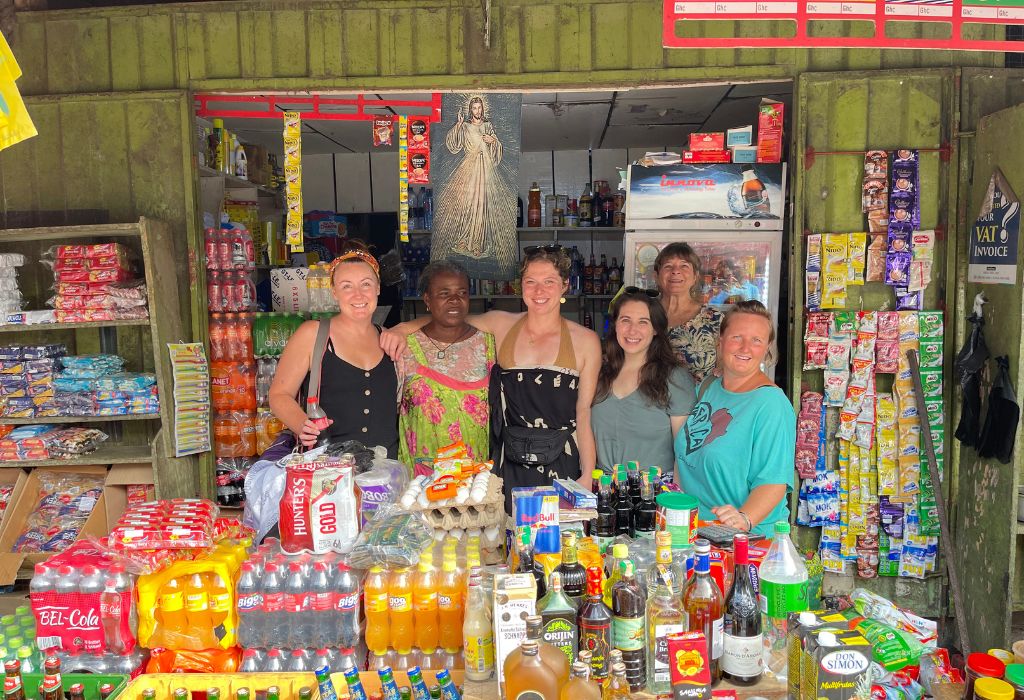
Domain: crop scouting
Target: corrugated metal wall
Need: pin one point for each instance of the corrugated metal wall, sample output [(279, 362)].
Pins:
[(394, 43)]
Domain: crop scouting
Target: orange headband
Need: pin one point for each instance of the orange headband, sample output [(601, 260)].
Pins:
[(356, 255)]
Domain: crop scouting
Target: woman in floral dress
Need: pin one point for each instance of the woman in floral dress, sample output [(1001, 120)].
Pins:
[(692, 324), (447, 364)]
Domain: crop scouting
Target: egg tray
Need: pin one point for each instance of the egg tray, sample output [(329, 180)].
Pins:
[(488, 512)]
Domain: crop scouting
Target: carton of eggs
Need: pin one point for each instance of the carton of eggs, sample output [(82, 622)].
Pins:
[(470, 492)]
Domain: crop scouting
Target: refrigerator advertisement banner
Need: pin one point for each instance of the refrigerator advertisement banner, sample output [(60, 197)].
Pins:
[(993, 244), (702, 192)]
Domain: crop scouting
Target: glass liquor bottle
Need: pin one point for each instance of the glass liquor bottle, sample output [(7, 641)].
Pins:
[(527, 564), (618, 687), (628, 631), (645, 512), (634, 480), (664, 617), (552, 657), (526, 674), (623, 505), (594, 620), (703, 606), (613, 569), (580, 686), (664, 572), (605, 525), (574, 576), (558, 614), (742, 658)]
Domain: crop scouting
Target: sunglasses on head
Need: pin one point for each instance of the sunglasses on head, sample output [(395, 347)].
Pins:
[(534, 249), (652, 293)]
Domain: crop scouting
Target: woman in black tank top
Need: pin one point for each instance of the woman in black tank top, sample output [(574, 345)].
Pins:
[(359, 383)]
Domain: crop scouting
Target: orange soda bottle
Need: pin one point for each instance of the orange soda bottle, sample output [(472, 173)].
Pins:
[(197, 609), (375, 603), (450, 601), (400, 607), (171, 616), (424, 602), (220, 603)]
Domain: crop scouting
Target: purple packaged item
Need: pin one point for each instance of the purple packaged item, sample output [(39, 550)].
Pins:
[(891, 516), (907, 300), (897, 269)]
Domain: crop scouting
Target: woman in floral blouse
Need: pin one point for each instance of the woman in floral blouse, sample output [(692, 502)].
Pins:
[(447, 364), (692, 324)]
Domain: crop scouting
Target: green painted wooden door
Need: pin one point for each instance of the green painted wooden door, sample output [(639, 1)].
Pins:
[(986, 513), (837, 117)]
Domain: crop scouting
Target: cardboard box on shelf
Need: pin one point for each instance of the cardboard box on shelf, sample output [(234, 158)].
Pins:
[(14, 478), (19, 510), (127, 485), (769, 131), (707, 157), (711, 141), (740, 136)]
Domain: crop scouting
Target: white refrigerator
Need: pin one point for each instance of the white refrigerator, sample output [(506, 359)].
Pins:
[(731, 214)]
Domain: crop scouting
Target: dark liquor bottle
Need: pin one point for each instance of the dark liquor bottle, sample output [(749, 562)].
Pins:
[(604, 530), (558, 613), (527, 565), (702, 604), (742, 654), (645, 512), (623, 506), (635, 481), (594, 620), (629, 610), (574, 576)]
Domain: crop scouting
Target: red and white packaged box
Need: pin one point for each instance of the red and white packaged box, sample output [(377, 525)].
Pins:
[(92, 615), (319, 512), (175, 524)]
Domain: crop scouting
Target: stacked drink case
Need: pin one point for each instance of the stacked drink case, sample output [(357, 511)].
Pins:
[(85, 613), (295, 612)]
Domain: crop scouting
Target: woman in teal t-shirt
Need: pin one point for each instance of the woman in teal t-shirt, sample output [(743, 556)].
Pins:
[(643, 392), (735, 451)]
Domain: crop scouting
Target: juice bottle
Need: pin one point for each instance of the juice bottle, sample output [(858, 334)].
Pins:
[(197, 609), (527, 676), (424, 603), (220, 603), (478, 634), (580, 687), (227, 435), (400, 607), (375, 597), (246, 433), (171, 613), (449, 602), (217, 337)]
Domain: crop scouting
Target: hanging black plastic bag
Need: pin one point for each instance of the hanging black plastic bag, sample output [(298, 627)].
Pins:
[(968, 365), (1001, 418)]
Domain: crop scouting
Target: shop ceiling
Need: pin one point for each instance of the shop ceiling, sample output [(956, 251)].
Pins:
[(555, 121)]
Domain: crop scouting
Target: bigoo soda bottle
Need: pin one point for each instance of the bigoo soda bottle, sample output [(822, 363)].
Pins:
[(296, 605), (783, 589), (400, 608), (273, 606), (375, 595), (346, 603), (249, 607), (322, 606)]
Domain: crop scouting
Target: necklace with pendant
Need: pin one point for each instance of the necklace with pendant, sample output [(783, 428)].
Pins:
[(441, 352)]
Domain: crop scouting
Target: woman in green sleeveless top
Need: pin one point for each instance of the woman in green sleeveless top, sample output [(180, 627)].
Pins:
[(448, 361)]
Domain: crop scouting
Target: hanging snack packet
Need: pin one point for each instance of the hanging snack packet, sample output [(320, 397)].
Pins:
[(816, 356), (856, 259), (844, 323), (812, 290), (922, 244), (876, 164), (419, 133), (887, 355), (419, 166), (835, 382), (930, 324), (888, 327), (839, 352), (875, 265), (818, 326), (813, 243), (383, 129), (833, 292)]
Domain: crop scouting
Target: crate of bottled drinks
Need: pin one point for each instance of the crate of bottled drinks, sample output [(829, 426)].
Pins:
[(75, 686), (258, 686)]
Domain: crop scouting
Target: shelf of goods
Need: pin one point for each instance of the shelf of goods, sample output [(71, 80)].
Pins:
[(232, 182), (133, 439)]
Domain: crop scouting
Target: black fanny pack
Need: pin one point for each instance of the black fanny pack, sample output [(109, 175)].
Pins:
[(533, 446)]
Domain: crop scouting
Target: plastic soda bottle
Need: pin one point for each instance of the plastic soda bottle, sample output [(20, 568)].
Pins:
[(783, 588), (273, 605), (297, 608), (449, 601), (424, 603), (173, 622), (249, 606), (375, 596), (110, 616), (250, 661), (320, 420), (346, 601), (322, 606), (197, 607), (400, 606)]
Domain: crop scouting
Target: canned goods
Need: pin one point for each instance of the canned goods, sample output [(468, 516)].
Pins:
[(677, 513)]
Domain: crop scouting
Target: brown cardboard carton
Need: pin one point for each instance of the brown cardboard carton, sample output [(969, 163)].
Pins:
[(124, 483), (18, 512), (17, 479)]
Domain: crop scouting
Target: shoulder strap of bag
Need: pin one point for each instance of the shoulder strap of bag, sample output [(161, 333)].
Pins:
[(704, 386), (316, 361)]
